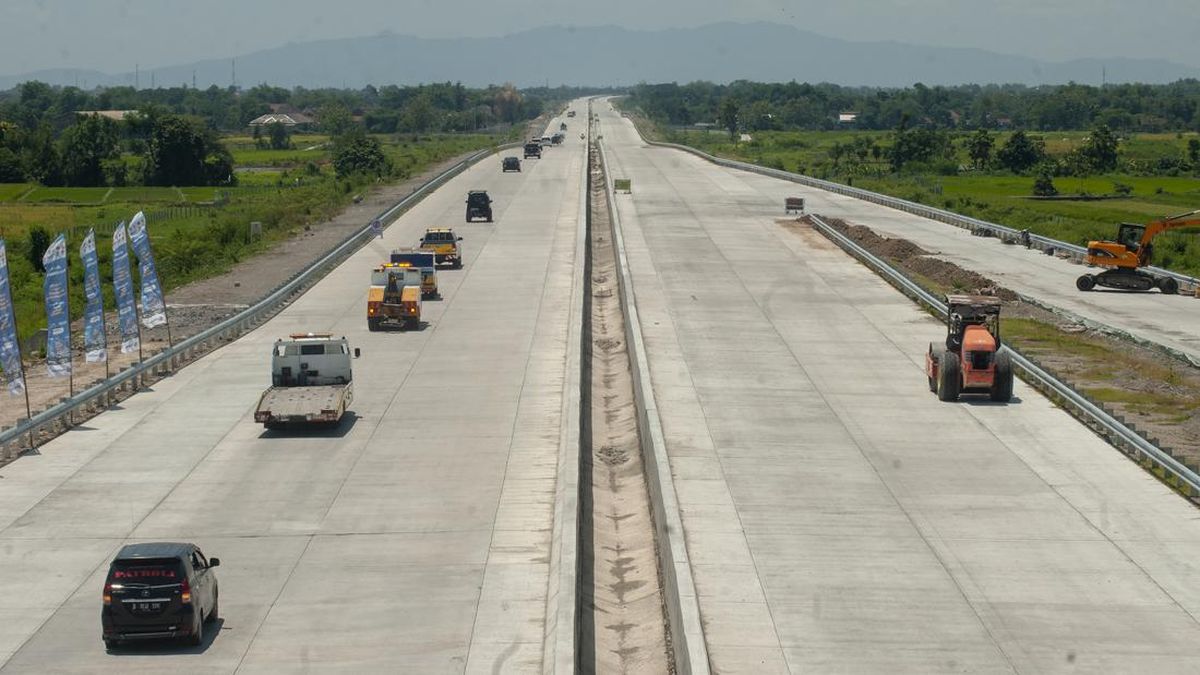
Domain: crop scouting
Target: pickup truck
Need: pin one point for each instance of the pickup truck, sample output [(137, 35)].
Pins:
[(311, 382), (444, 245)]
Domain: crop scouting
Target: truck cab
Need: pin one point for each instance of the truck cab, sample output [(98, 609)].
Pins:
[(394, 297)]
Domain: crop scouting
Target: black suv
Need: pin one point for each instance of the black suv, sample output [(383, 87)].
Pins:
[(160, 590), (510, 164), (479, 205), (533, 149)]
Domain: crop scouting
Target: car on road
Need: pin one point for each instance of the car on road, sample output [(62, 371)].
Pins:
[(545, 141), (159, 590), (533, 149), (479, 205), (510, 164)]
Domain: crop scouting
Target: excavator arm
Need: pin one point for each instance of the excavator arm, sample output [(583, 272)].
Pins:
[(1157, 227)]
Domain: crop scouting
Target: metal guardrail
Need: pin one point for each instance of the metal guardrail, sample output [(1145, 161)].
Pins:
[(949, 217), (170, 359), (1111, 426)]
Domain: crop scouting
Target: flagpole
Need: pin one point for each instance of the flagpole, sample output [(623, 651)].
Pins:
[(25, 388), (70, 347), (137, 316), (167, 318)]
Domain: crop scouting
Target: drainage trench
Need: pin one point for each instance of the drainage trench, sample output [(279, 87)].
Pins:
[(622, 622)]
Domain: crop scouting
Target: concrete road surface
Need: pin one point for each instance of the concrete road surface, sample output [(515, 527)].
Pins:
[(1171, 320), (414, 538), (837, 516)]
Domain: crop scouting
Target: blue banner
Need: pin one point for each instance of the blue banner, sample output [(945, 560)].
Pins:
[(123, 288), (58, 316), (154, 311), (10, 349), (95, 342)]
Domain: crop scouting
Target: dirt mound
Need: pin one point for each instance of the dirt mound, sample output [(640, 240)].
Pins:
[(943, 276)]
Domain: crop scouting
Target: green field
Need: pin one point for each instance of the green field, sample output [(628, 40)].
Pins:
[(10, 192), (305, 148), (66, 195), (267, 157)]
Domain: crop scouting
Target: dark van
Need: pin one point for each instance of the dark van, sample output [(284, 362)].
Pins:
[(159, 590)]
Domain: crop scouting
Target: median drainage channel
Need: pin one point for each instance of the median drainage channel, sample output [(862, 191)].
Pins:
[(1153, 393), (622, 621)]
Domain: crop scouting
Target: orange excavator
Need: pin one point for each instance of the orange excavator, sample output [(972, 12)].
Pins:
[(1132, 250)]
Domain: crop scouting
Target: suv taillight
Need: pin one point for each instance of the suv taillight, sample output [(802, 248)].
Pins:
[(185, 592), (107, 593)]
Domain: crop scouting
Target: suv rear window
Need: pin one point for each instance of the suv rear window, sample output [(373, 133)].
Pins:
[(150, 571)]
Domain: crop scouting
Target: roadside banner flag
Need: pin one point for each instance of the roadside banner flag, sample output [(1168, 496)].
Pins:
[(123, 287), (95, 342), (58, 317), (154, 310), (10, 349)]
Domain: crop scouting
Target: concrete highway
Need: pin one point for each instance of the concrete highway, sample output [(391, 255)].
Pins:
[(838, 518), (415, 538), (1171, 320)]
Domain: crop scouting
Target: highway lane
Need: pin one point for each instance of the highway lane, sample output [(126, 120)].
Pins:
[(415, 538), (838, 518), (1171, 320)]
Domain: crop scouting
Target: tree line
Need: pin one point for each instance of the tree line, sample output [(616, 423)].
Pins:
[(172, 135), (142, 149), (757, 106), (438, 107)]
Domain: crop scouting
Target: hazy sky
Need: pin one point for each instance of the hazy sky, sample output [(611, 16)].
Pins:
[(113, 35)]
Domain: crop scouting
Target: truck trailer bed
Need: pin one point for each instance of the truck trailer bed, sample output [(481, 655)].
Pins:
[(303, 405)]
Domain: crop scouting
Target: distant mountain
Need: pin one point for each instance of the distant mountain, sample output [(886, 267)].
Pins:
[(611, 55)]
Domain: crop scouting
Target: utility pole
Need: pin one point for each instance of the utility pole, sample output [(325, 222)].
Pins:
[(136, 76), (233, 73), (193, 78), (152, 79)]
